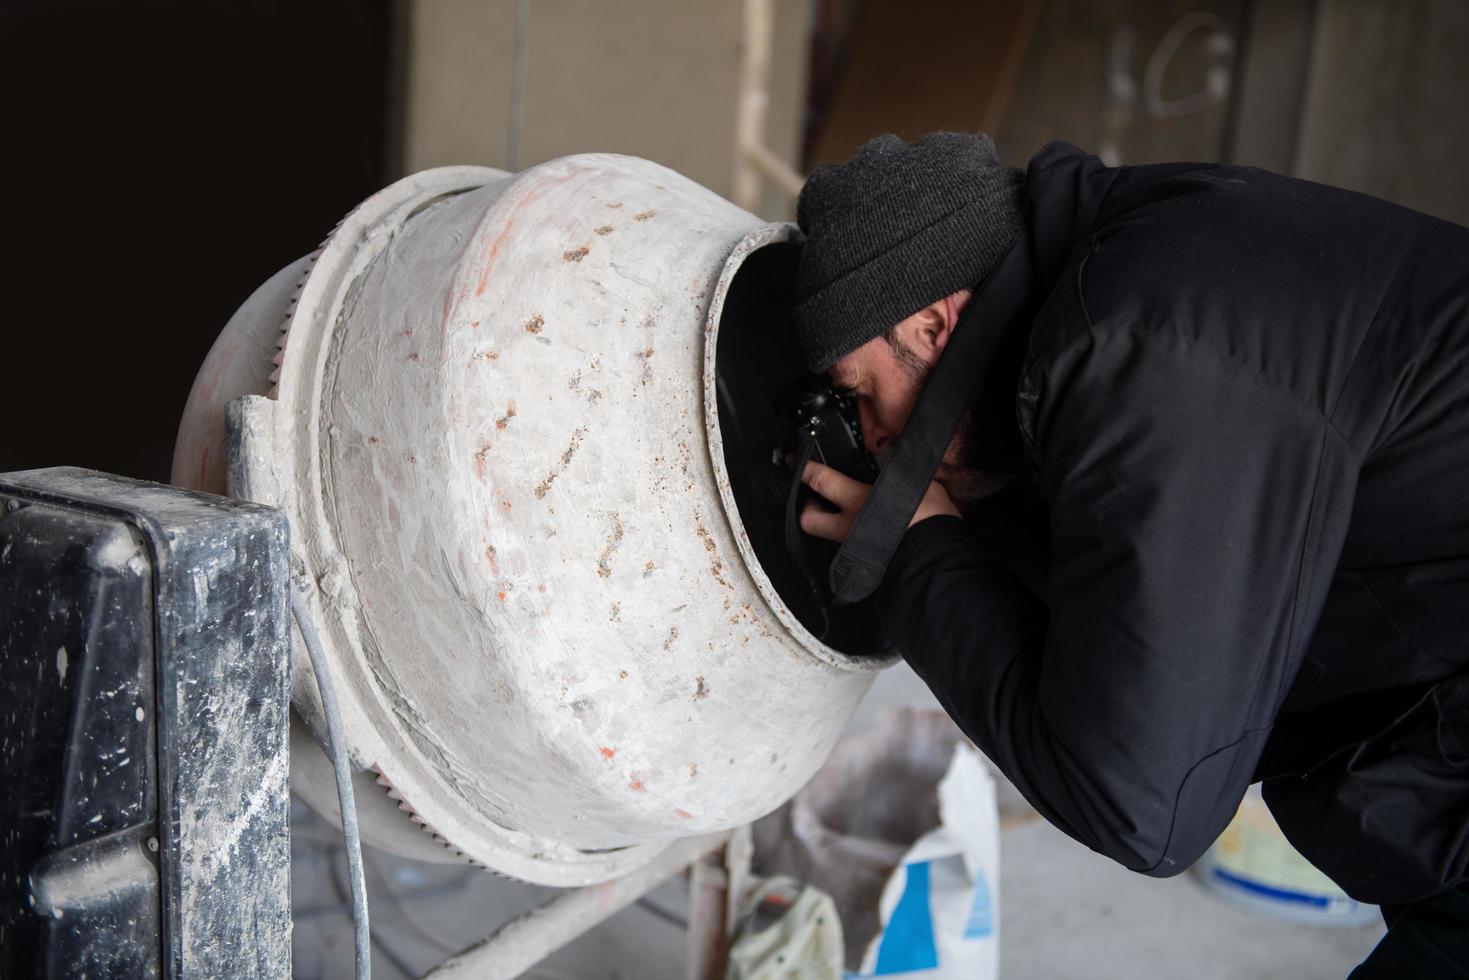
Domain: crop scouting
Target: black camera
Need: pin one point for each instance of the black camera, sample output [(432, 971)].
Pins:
[(828, 416)]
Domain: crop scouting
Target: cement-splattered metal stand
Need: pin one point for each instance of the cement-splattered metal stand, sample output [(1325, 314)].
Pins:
[(719, 876), (492, 424)]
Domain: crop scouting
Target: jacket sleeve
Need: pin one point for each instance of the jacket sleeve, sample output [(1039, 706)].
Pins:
[(1130, 708), (1012, 526)]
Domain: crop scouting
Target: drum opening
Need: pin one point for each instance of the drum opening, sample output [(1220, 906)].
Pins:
[(755, 359)]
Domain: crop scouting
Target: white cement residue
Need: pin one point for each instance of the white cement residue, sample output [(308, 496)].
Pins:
[(214, 842), (116, 551)]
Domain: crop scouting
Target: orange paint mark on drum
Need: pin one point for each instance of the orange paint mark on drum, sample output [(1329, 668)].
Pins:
[(484, 276)]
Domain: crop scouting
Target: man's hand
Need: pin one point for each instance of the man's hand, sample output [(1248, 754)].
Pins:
[(848, 495)]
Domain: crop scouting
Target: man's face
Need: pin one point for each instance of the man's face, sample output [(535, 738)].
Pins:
[(887, 374), (886, 378)]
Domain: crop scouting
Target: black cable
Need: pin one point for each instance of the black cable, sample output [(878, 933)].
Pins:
[(337, 749)]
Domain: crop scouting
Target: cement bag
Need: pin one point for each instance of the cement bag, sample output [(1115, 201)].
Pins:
[(901, 828)]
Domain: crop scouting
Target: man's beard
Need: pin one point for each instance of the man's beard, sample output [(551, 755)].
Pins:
[(918, 372), (965, 486)]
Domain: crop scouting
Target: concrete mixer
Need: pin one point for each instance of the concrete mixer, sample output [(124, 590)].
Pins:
[(504, 414)]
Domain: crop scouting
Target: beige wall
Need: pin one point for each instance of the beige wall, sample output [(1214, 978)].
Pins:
[(651, 78)]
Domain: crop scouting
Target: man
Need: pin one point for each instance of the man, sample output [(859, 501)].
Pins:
[(1234, 545)]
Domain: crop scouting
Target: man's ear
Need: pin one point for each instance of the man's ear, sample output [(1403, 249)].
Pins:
[(934, 324)]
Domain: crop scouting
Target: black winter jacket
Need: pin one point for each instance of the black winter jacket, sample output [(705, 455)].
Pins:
[(1243, 403)]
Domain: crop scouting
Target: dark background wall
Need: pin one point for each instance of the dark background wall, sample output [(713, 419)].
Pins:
[(162, 158)]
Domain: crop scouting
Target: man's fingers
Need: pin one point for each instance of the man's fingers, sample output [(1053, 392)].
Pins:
[(823, 523), (840, 489), (845, 493)]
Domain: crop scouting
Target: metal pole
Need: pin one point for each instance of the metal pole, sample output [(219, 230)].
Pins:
[(776, 169), (523, 942), (517, 87), (753, 99)]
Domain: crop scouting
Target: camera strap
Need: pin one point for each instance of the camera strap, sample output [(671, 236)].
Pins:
[(862, 560)]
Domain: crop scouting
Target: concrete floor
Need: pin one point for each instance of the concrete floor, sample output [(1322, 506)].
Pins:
[(1065, 912)]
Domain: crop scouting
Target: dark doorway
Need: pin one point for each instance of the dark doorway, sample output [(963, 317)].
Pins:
[(162, 159)]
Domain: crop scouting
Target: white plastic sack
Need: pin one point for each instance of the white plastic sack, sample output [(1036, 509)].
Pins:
[(940, 908), (901, 828), (803, 943)]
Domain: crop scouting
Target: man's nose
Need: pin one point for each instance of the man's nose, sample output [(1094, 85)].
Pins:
[(874, 435)]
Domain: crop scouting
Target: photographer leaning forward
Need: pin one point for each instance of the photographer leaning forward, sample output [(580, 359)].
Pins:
[(1206, 520)]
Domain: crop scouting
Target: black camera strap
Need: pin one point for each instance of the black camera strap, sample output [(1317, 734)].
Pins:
[(862, 560)]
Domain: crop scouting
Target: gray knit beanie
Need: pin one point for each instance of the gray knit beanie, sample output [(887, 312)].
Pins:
[(895, 228)]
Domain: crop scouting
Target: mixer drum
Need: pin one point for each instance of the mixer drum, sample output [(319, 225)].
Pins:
[(494, 422)]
